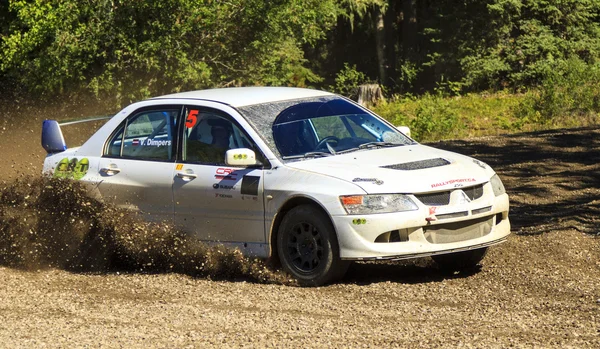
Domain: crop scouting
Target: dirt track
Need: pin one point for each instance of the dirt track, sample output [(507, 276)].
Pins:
[(539, 289)]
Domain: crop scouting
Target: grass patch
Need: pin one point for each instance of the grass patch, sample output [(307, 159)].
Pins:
[(433, 117)]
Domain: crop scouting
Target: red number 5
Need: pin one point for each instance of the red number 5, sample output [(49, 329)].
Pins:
[(191, 119)]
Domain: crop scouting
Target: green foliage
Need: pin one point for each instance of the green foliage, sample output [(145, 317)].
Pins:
[(135, 49), (571, 89), (435, 119), (522, 40), (353, 9), (407, 75), (430, 117), (348, 80), (397, 110), (546, 51)]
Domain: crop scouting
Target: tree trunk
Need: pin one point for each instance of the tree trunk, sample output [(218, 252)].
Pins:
[(392, 31), (380, 42), (369, 95), (409, 29)]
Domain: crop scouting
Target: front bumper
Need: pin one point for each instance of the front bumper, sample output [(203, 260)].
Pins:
[(420, 233)]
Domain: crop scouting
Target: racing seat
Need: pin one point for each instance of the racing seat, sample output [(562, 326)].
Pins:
[(290, 139)]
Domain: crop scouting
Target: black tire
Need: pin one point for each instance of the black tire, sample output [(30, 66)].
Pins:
[(308, 248), (460, 260)]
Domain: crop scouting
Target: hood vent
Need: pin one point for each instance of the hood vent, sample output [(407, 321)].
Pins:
[(419, 165)]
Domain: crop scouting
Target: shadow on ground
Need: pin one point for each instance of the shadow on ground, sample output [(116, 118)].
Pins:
[(406, 272), (552, 177)]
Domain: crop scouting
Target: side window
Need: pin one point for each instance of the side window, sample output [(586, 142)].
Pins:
[(209, 134), (148, 135)]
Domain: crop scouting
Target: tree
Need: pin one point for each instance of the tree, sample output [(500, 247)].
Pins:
[(135, 49), (375, 11)]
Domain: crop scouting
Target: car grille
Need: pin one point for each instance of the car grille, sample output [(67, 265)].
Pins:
[(482, 210), (435, 199), (418, 165), (443, 198), (475, 192), (458, 231), (452, 215)]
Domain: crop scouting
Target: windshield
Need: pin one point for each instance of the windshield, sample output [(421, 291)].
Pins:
[(321, 126)]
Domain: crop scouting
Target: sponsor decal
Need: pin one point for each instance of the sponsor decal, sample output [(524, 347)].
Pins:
[(453, 181), (432, 210), (72, 168), (179, 167), (359, 221), (371, 180), (250, 185), (240, 156), (248, 197), (223, 196), (221, 186), (225, 173), (156, 143), (479, 163), (192, 118)]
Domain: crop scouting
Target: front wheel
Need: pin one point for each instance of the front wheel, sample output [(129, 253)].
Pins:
[(308, 247), (460, 260)]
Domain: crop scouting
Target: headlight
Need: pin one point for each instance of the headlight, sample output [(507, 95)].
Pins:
[(497, 185), (368, 204)]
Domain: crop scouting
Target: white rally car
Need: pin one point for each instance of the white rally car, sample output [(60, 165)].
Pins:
[(303, 176)]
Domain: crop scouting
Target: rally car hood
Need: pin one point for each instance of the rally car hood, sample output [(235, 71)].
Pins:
[(403, 169)]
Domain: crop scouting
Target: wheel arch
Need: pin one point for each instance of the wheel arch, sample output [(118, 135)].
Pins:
[(283, 210)]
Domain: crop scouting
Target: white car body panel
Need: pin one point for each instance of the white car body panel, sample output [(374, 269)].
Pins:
[(360, 165), (219, 210), (242, 96), (229, 213), (138, 186)]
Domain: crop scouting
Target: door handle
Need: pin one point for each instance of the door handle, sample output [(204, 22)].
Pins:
[(186, 176), (110, 171)]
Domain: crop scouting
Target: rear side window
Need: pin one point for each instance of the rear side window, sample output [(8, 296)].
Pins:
[(147, 135)]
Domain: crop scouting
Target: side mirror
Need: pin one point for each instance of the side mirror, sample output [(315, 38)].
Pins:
[(240, 157), (52, 137), (404, 129)]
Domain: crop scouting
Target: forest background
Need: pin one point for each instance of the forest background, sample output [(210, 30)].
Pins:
[(448, 69)]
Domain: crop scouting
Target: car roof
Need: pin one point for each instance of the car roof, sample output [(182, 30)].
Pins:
[(243, 96)]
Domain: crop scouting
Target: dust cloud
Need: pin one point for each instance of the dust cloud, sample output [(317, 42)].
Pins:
[(54, 223)]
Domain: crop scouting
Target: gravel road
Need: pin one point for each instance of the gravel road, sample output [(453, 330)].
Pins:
[(539, 289)]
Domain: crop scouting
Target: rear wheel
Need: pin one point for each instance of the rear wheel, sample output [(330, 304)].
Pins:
[(460, 260), (308, 247)]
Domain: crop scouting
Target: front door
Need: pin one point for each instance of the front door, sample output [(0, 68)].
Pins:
[(214, 201)]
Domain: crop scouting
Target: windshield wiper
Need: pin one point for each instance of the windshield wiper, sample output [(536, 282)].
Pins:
[(370, 145), (310, 154), (378, 144), (349, 150)]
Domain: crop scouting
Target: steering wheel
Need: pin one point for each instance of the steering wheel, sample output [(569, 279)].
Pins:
[(325, 140)]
